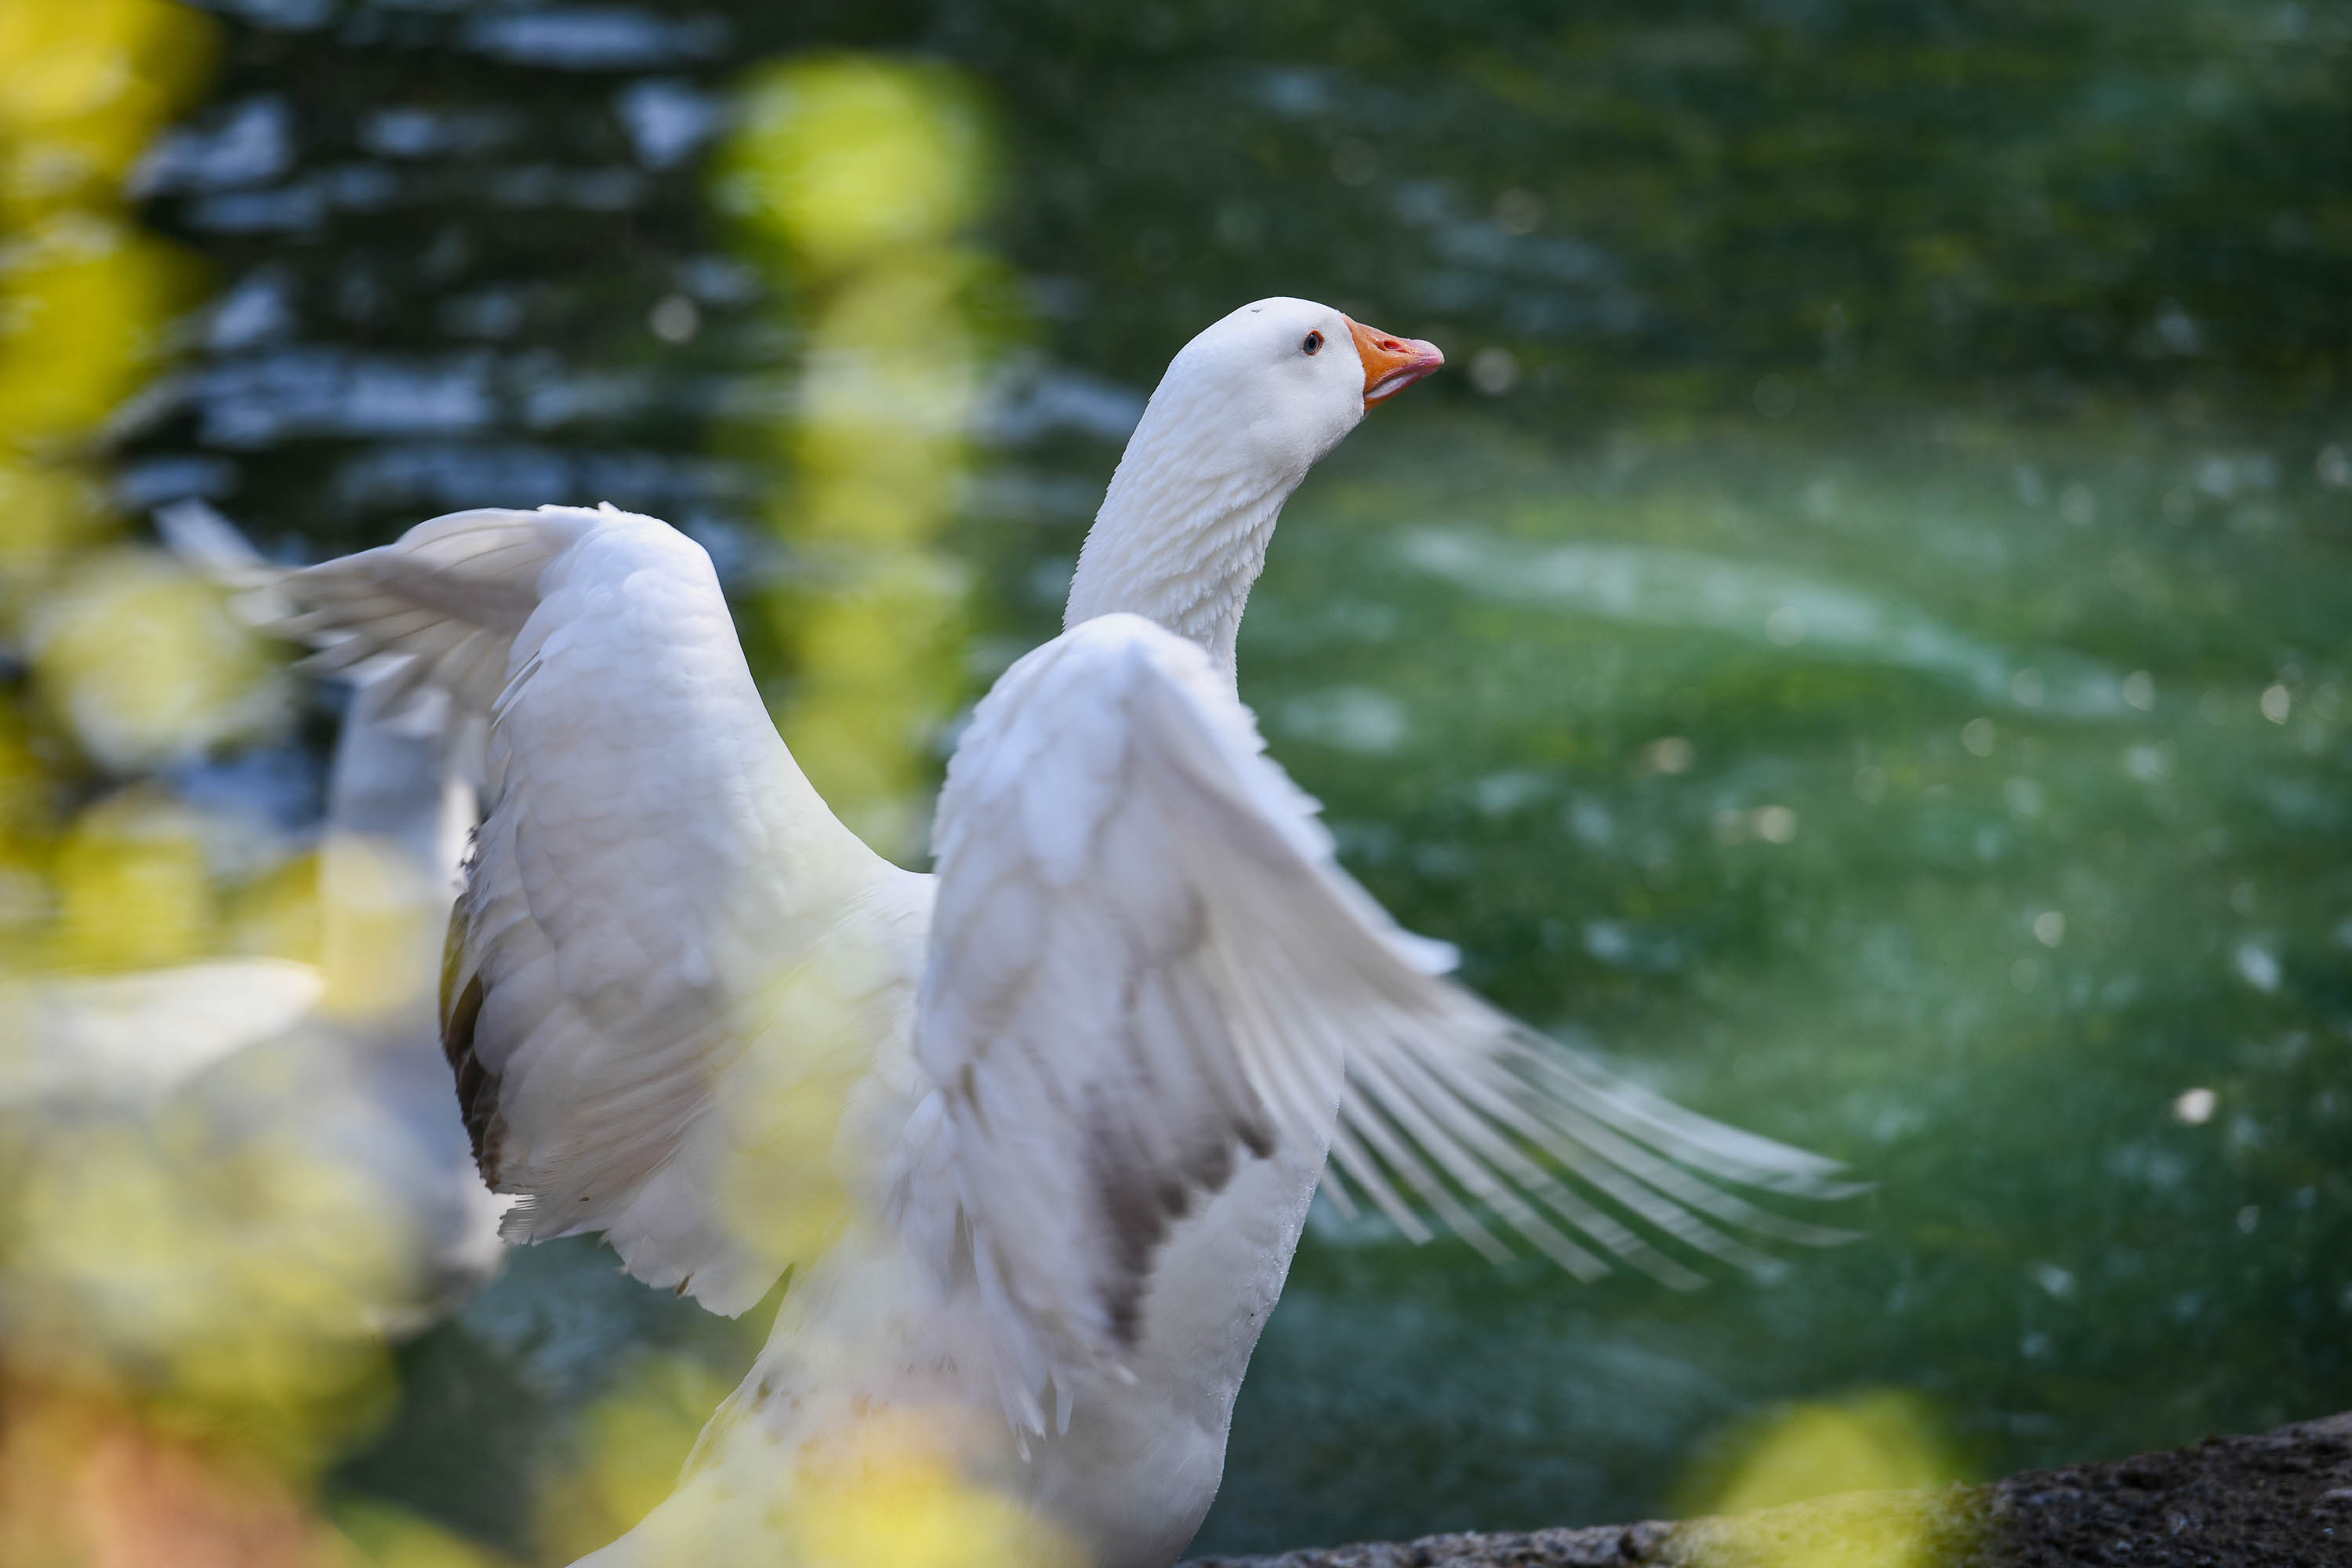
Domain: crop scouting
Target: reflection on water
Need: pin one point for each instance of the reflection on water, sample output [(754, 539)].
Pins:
[(1757, 602), (1860, 640)]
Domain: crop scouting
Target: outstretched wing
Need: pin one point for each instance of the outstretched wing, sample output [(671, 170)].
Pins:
[(1148, 969), (671, 964)]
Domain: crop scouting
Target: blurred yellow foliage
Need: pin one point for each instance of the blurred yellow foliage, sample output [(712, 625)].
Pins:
[(27, 826), (632, 1444), (189, 1297), (1871, 1442), (876, 679), (891, 1493), (785, 1197), (131, 887), (866, 170), (849, 155), (146, 664), (888, 393), (45, 513), (85, 85), (281, 913), (874, 1487), (84, 88), (386, 925), (1881, 1441), (227, 1271), (86, 1481), (378, 1536), (81, 302)]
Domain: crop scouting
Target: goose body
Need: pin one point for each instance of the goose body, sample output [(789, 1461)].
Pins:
[(1035, 1134)]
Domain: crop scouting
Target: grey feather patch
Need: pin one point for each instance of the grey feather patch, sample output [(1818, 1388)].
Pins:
[(1139, 1205)]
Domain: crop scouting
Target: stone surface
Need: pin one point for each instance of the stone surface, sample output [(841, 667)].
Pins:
[(2279, 1499)]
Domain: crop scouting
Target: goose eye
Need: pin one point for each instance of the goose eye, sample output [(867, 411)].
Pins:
[(1313, 345)]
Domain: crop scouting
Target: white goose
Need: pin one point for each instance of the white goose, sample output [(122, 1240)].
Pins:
[(1036, 1133)]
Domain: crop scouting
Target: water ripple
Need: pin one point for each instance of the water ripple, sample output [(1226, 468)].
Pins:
[(1769, 605)]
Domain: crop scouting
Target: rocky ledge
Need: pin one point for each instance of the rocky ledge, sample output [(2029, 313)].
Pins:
[(2282, 1499)]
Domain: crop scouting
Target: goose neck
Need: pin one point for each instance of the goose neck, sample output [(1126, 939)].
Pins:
[(1183, 555)]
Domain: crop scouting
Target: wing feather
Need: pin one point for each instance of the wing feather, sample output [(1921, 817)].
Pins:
[(1148, 970), (671, 965)]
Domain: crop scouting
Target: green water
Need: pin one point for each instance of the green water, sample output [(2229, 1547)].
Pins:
[(2015, 919), (1856, 638)]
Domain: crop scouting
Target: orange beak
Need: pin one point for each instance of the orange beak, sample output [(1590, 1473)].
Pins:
[(1391, 364)]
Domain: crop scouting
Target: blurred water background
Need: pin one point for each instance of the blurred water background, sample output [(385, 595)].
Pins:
[(1857, 636)]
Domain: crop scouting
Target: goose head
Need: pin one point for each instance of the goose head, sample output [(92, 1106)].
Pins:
[(1244, 411)]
